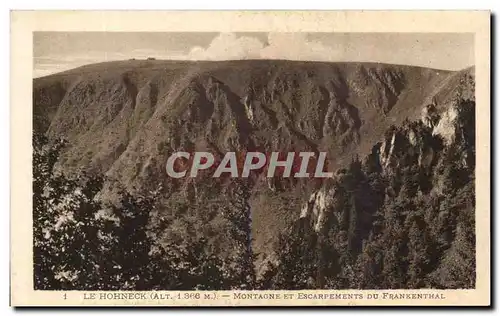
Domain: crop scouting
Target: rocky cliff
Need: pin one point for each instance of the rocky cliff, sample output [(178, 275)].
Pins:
[(397, 217)]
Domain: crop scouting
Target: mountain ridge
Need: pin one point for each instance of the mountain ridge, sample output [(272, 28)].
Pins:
[(143, 62)]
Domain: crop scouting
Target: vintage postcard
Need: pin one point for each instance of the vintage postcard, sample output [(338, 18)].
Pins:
[(250, 158)]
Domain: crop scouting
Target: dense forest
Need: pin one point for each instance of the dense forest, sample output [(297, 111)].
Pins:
[(408, 224)]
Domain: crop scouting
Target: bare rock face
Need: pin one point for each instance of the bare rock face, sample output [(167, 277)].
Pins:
[(319, 204), (430, 116), (341, 121), (387, 150), (446, 125)]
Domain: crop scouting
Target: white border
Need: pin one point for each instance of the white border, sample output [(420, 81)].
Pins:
[(188, 4)]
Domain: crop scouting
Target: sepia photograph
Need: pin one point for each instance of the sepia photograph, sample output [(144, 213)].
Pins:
[(183, 163)]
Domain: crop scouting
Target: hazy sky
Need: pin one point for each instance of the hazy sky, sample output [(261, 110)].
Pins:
[(58, 51)]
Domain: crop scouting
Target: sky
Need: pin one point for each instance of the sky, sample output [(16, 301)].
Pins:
[(58, 51)]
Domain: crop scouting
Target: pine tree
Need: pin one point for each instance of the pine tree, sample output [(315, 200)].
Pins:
[(369, 266), (238, 213), (418, 252), (65, 228)]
